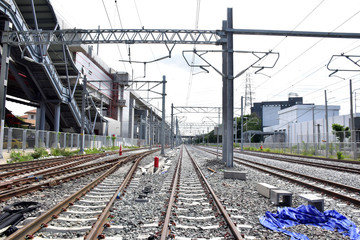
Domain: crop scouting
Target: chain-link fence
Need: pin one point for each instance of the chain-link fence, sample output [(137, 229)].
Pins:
[(344, 144), (23, 139)]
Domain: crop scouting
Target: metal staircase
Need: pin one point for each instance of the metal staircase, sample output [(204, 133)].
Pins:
[(47, 69)]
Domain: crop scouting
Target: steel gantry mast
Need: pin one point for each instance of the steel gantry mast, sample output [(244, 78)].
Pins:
[(224, 37)]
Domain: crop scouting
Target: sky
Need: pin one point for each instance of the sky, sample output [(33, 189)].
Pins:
[(301, 68)]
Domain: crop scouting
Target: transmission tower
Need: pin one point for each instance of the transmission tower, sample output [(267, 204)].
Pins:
[(248, 94)]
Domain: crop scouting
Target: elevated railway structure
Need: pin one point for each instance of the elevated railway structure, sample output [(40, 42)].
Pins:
[(37, 36)]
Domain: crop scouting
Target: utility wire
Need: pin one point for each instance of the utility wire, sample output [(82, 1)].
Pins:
[(121, 25), (191, 74), (317, 68), (301, 54), (316, 7), (107, 14), (142, 26)]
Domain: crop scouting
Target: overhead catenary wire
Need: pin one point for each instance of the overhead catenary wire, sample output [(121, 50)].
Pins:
[(108, 17), (315, 70), (308, 49), (191, 74), (297, 25), (142, 26)]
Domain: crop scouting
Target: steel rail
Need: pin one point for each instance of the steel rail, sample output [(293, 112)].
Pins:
[(222, 209), (309, 185), (312, 157), (24, 190), (175, 182), (42, 166), (28, 164), (51, 173), (314, 164), (102, 222), (26, 231)]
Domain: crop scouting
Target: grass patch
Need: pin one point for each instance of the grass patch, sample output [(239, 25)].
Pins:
[(19, 157), (39, 152)]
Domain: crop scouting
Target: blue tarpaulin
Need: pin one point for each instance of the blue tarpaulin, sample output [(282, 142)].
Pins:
[(309, 215)]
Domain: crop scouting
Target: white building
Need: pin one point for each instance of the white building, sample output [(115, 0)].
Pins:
[(307, 123)]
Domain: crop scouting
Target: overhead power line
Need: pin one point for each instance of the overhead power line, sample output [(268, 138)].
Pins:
[(107, 15), (191, 74), (309, 48)]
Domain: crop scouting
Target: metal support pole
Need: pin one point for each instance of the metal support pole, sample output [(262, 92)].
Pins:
[(242, 124), (82, 132), (230, 91), (151, 128), (177, 132), (314, 130), (146, 128), (3, 83), (172, 127), (217, 135), (224, 94), (353, 131), (163, 118), (326, 126)]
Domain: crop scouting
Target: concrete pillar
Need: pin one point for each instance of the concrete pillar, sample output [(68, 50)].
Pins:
[(131, 118), (57, 117)]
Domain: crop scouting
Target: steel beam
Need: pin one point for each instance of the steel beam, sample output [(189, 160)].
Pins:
[(3, 84), (229, 130)]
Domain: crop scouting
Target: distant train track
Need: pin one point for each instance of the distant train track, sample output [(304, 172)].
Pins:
[(284, 158), (334, 189)]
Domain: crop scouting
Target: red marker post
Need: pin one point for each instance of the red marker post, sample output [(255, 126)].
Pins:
[(120, 150), (156, 163)]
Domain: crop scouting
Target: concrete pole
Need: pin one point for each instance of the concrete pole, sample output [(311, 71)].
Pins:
[(57, 122), (82, 131), (3, 83), (353, 131), (163, 118), (242, 124), (230, 91), (326, 126), (57, 117), (224, 94), (172, 127), (131, 118)]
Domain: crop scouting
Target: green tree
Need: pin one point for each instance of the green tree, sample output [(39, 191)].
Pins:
[(250, 122), (341, 132)]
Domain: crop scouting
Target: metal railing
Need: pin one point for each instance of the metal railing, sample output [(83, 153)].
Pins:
[(27, 139)]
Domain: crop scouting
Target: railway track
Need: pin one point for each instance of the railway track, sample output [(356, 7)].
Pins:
[(351, 162), (347, 169), (333, 189), (75, 217), (194, 211)]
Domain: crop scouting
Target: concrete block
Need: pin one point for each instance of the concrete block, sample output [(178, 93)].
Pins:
[(281, 197), (314, 200), (231, 174), (265, 189)]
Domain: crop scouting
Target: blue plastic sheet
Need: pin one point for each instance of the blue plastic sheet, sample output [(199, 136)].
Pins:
[(309, 215)]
